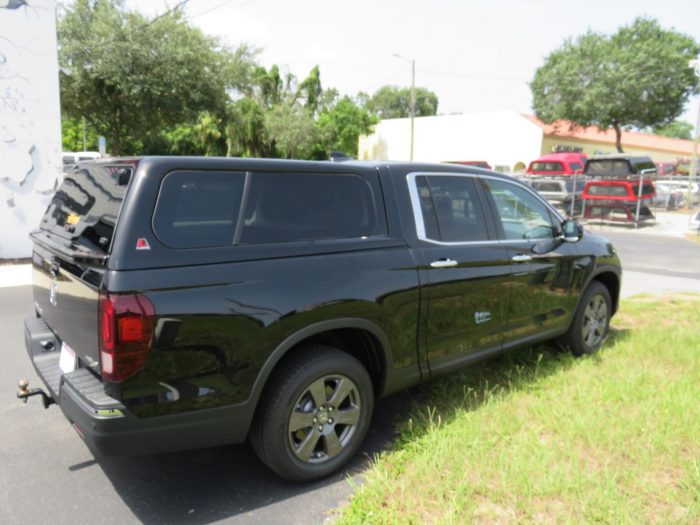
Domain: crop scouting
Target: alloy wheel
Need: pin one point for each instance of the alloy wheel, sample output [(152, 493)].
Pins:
[(324, 419)]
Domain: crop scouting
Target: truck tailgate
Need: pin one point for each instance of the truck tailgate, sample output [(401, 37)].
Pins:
[(66, 296)]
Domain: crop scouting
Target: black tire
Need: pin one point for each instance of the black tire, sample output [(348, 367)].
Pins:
[(327, 394), (591, 322)]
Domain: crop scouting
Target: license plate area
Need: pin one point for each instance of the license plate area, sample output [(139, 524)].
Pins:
[(68, 361)]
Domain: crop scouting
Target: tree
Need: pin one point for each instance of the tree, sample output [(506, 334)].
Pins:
[(130, 78), (292, 130), (341, 125), (77, 137), (678, 129), (638, 77), (395, 102)]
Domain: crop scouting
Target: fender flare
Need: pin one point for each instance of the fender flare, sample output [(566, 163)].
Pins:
[(309, 331)]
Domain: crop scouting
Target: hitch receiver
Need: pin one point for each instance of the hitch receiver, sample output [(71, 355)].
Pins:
[(25, 392)]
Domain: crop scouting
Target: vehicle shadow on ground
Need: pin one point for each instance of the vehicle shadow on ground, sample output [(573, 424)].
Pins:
[(205, 486)]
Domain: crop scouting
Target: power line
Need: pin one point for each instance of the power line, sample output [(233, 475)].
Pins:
[(476, 77), (142, 26), (221, 4)]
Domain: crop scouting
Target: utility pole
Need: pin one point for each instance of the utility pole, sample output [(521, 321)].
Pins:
[(695, 64), (413, 96)]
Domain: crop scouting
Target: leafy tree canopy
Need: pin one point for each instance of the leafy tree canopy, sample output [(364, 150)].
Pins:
[(678, 129), (163, 87), (395, 102), (129, 77), (638, 77)]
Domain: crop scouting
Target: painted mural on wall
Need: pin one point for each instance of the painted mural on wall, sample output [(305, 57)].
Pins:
[(30, 130)]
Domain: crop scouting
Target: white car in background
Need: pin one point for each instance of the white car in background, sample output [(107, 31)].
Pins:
[(73, 157)]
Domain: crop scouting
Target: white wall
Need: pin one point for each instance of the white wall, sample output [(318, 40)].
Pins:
[(502, 137), (30, 121)]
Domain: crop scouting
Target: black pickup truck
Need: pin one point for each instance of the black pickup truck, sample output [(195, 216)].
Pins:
[(193, 302)]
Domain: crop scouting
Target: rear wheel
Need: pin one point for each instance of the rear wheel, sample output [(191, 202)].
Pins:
[(314, 415), (591, 322)]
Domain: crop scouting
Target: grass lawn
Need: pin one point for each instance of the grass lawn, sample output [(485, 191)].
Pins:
[(537, 436)]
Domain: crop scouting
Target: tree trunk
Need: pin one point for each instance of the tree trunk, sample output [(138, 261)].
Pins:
[(618, 137)]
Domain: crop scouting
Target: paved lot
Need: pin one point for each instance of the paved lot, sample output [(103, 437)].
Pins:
[(48, 476)]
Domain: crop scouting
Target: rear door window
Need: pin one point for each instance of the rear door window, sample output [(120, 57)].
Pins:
[(450, 209)]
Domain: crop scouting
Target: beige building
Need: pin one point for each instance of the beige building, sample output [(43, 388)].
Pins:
[(505, 139)]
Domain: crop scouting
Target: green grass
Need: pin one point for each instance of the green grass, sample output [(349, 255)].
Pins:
[(537, 436)]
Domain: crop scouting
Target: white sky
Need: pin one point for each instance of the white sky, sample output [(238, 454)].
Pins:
[(476, 55)]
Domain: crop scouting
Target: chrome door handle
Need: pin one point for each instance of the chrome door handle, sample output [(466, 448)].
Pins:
[(521, 257), (443, 263)]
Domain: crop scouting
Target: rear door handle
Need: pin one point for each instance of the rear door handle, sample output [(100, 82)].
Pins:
[(443, 263), (521, 257)]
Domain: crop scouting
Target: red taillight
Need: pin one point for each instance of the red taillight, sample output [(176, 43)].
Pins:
[(126, 334)]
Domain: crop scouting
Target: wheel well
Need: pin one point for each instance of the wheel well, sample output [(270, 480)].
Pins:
[(612, 283), (361, 344)]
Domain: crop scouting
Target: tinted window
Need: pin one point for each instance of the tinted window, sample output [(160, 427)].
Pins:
[(575, 166), (198, 209), (523, 215), (547, 186), (451, 209), (86, 205), (285, 207), (609, 166), (547, 166), (614, 191)]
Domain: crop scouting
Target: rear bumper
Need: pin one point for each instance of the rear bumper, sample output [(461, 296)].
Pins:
[(107, 427)]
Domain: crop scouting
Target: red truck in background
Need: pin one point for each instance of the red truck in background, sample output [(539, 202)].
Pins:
[(558, 164)]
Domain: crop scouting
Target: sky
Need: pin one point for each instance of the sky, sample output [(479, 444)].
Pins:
[(476, 55)]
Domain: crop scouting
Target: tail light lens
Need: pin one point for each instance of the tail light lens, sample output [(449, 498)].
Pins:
[(127, 323)]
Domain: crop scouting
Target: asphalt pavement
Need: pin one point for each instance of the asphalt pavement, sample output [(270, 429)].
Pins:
[(49, 476)]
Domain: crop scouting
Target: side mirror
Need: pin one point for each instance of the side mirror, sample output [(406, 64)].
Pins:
[(572, 231)]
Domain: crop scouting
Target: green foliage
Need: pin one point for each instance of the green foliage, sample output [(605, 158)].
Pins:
[(73, 132), (162, 87), (536, 436), (638, 77), (130, 78), (291, 129), (395, 102), (343, 123), (678, 129)]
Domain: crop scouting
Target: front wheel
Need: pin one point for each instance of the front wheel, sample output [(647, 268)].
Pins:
[(591, 322), (314, 414)]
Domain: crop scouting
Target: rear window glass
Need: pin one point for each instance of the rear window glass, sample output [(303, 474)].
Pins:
[(85, 206), (609, 166), (284, 207), (575, 166), (198, 210), (547, 166), (547, 186), (616, 191)]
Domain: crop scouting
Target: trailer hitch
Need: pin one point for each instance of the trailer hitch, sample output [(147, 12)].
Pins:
[(25, 393)]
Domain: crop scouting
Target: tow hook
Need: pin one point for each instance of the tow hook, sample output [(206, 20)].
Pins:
[(25, 392)]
